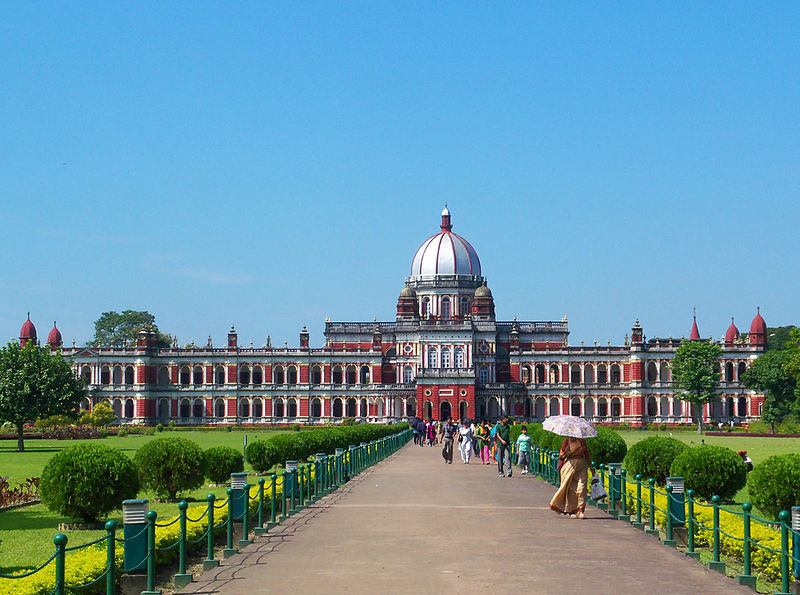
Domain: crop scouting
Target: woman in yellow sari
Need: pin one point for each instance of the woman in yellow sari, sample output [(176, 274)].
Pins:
[(575, 463)]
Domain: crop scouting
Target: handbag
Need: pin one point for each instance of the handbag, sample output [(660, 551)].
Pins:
[(598, 489)]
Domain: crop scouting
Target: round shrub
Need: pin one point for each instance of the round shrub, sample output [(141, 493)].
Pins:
[(652, 457), (168, 466), (774, 485), (711, 470), (262, 455), (607, 447), (221, 461), (87, 481)]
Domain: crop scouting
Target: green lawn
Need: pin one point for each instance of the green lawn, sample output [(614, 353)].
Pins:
[(27, 532)]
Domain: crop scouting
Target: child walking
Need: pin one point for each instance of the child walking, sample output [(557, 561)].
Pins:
[(524, 450)]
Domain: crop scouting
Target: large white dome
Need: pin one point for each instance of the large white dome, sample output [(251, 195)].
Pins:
[(446, 253)]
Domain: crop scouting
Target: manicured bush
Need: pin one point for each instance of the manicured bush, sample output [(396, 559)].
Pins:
[(101, 415), (262, 455), (774, 484), (55, 421), (221, 461), (87, 481), (711, 470), (607, 447), (652, 457), (168, 466)]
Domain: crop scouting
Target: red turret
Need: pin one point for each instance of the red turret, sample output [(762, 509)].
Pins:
[(27, 332), (54, 338), (695, 336), (731, 334), (758, 330), (446, 219)]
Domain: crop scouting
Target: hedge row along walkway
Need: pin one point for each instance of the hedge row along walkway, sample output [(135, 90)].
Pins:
[(411, 524)]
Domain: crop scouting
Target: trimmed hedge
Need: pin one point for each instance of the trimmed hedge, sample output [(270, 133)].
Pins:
[(168, 466), (774, 484), (87, 481), (653, 457), (221, 461), (711, 470), (264, 454)]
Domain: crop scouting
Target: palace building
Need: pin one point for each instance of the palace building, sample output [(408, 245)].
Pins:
[(445, 354)]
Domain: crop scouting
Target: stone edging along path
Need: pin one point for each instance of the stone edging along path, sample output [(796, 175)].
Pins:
[(411, 524)]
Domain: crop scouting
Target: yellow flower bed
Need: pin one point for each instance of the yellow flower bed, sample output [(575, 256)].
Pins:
[(766, 562)]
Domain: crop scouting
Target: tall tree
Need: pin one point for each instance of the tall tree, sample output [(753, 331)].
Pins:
[(770, 374), (35, 383), (793, 368), (114, 328), (693, 371)]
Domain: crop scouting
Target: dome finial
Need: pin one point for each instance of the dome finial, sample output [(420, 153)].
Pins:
[(446, 225)]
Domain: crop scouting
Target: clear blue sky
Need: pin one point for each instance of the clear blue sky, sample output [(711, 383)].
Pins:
[(268, 164)]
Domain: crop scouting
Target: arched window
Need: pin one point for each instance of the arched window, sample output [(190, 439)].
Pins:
[(198, 409), (432, 357), (86, 404), (185, 409), (458, 357), (554, 374), (105, 375), (129, 375), (602, 374), (742, 369), (664, 372), (575, 374), (197, 375), (350, 374), (446, 308), (316, 408), (277, 408), (86, 374), (219, 375), (258, 375), (364, 375), (163, 410), (363, 408), (351, 408), (408, 374), (483, 375), (741, 407), (602, 407), (652, 407), (464, 306), (555, 406), (163, 376), (677, 406), (316, 375), (463, 409), (445, 357), (337, 408), (575, 407), (588, 374), (244, 408), (128, 408), (652, 372), (616, 407), (411, 406), (258, 408), (117, 376), (219, 408), (729, 372), (539, 371), (525, 375), (291, 408), (337, 375), (277, 375), (185, 377), (425, 310), (615, 374), (244, 375), (291, 375)]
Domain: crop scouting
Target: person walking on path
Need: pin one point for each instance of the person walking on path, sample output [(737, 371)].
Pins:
[(573, 458), (431, 433), (524, 450), (465, 443), (502, 437), (447, 441), (482, 434)]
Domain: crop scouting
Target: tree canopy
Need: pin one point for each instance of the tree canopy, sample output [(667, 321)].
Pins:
[(115, 328), (694, 372), (770, 374), (35, 383)]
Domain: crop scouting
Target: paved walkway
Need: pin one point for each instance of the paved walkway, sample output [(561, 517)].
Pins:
[(412, 524)]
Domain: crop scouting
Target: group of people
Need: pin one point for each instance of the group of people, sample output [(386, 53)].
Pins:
[(574, 461)]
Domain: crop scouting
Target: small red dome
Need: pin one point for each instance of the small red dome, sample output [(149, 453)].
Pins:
[(758, 330), (732, 334), (28, 331), (54, 338)]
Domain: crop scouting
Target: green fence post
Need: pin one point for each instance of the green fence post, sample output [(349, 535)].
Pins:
[(301, 474), (602, 469), (111, 534), (245, 517), (182, 578), (272, 489), (229, 549), (612, 489), (715, 564), (260, 529), (284, 495), (669, 541), (152, 515), (308, 484), (783, 518), (210, 562), (747, 578), (638, 522), (60, 541), (690, 543), (651, 530), (623, 496)]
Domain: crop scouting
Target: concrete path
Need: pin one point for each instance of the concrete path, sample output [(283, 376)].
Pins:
[(412, 524)]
